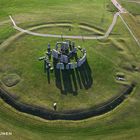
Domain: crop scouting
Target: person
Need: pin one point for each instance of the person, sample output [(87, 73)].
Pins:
[(55, 106)]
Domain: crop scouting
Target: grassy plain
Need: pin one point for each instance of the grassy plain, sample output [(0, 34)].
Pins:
[(106, 57)]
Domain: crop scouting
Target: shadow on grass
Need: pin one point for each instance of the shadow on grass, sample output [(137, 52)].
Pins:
[(70, 81)]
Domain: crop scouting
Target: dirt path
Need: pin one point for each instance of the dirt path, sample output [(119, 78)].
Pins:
[(116, 4), (131, 32), (66, 36)]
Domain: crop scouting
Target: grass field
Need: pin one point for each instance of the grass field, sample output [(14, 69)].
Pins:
[(118, 53)]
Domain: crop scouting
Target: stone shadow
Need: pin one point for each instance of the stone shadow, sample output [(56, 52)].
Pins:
[(70, 81)]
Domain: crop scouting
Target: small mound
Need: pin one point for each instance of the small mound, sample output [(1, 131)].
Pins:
[(11, 80), (128, 66)]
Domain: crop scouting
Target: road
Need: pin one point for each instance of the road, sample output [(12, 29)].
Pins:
[(118, 6)]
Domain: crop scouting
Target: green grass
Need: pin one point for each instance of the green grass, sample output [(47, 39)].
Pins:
[(131, 7), (31, 72), (106, 57)]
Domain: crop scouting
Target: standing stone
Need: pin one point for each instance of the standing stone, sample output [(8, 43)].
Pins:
[(55, 54)]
